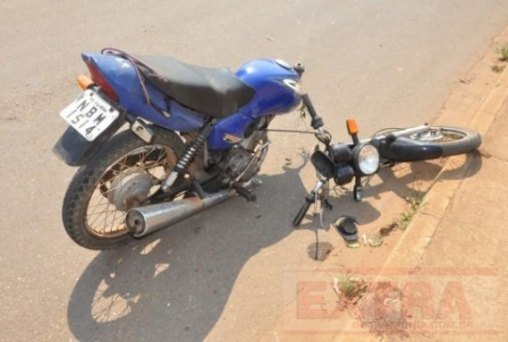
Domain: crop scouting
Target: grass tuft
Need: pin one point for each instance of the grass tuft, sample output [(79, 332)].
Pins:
[(498, 68), (350, 287), (503, 52), (415, 202)]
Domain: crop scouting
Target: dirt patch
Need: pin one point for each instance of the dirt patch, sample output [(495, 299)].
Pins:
[(379, 307), (382, 311)]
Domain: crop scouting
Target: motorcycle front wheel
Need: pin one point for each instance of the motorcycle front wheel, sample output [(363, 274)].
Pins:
[(431, 143), (452, 140), (122, 176)]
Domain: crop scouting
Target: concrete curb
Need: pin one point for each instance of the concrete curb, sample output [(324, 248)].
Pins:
[(410, 248), (436, 202), (475, 106)]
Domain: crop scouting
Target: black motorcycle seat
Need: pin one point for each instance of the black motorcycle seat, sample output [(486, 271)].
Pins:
[(216, 92)]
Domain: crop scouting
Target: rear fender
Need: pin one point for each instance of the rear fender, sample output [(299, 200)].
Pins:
[(75, 150)]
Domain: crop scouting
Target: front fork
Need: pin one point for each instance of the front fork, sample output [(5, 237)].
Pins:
[(324, 137), (353, 131), (309, 199)]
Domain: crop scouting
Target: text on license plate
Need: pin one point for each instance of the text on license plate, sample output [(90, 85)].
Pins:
[(89, 114)]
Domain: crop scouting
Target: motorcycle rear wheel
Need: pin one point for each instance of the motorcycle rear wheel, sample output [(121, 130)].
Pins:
[(124, 174)]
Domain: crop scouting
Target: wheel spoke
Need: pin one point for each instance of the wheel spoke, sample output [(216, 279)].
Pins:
[(438, 135), (102, 216), (103, 212)]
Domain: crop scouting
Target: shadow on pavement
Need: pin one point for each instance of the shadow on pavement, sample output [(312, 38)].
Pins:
[(464, 166), (175, 284)]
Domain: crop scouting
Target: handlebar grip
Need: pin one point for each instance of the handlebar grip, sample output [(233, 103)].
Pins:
[(301, 214), (316, 121)]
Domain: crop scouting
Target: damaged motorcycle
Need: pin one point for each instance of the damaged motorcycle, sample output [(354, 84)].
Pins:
[(157, 140)]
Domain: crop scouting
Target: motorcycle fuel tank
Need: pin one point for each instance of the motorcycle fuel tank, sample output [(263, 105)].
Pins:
[(276, 85), (277, 91)]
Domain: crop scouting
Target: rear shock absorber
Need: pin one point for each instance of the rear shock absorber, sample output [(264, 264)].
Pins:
[(187, 156)]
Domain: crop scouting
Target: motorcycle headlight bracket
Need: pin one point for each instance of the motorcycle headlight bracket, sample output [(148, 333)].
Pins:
[(366, 159)]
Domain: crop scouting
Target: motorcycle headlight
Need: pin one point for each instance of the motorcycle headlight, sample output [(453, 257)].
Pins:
[(367, 159)]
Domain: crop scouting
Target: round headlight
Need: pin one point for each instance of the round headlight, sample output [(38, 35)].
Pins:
[(367, 159)]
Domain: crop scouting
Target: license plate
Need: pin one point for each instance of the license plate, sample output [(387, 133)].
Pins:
[(89, 114)]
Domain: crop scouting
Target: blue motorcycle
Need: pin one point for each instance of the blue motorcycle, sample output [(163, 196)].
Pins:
[(157, 141)]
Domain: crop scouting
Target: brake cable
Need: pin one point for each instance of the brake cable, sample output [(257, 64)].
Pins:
[(289, 131)]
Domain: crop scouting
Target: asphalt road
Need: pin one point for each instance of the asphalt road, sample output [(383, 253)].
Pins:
[(216, 276)]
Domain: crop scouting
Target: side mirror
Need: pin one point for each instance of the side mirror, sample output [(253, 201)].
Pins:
[(323, 164)]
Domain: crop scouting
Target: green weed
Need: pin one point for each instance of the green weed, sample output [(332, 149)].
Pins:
[(503, 52)]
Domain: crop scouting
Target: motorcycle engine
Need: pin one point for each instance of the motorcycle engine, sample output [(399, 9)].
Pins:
[(243, 161)]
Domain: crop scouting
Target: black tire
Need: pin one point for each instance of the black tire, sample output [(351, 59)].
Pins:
[(86, 181), (454, 140)]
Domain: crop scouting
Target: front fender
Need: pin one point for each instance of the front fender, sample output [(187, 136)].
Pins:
[(406, 150), (75, 150)]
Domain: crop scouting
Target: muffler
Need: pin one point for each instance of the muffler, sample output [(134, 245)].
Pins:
[(146, 220)]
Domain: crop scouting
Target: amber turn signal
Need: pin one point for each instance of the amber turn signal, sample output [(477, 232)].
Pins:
[(84, 82), (352, 126)]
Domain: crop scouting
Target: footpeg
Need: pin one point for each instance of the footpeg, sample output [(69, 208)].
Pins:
[(245, 193)]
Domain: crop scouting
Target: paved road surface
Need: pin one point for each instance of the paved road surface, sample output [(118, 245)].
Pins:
[(389, 63)]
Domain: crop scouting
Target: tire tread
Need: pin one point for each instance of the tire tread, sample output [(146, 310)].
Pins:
[(86, 177)]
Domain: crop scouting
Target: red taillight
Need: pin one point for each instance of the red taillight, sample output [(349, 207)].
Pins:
[(101, 81)]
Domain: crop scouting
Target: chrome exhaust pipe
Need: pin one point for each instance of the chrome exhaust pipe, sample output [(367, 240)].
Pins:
[(146, 220)]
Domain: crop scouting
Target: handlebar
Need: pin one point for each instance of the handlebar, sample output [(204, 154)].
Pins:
[(309, 199), (316, 122), (301, 213)]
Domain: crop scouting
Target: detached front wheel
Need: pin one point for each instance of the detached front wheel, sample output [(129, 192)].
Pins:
[(122, 176), (452, 140), (428, 143)]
